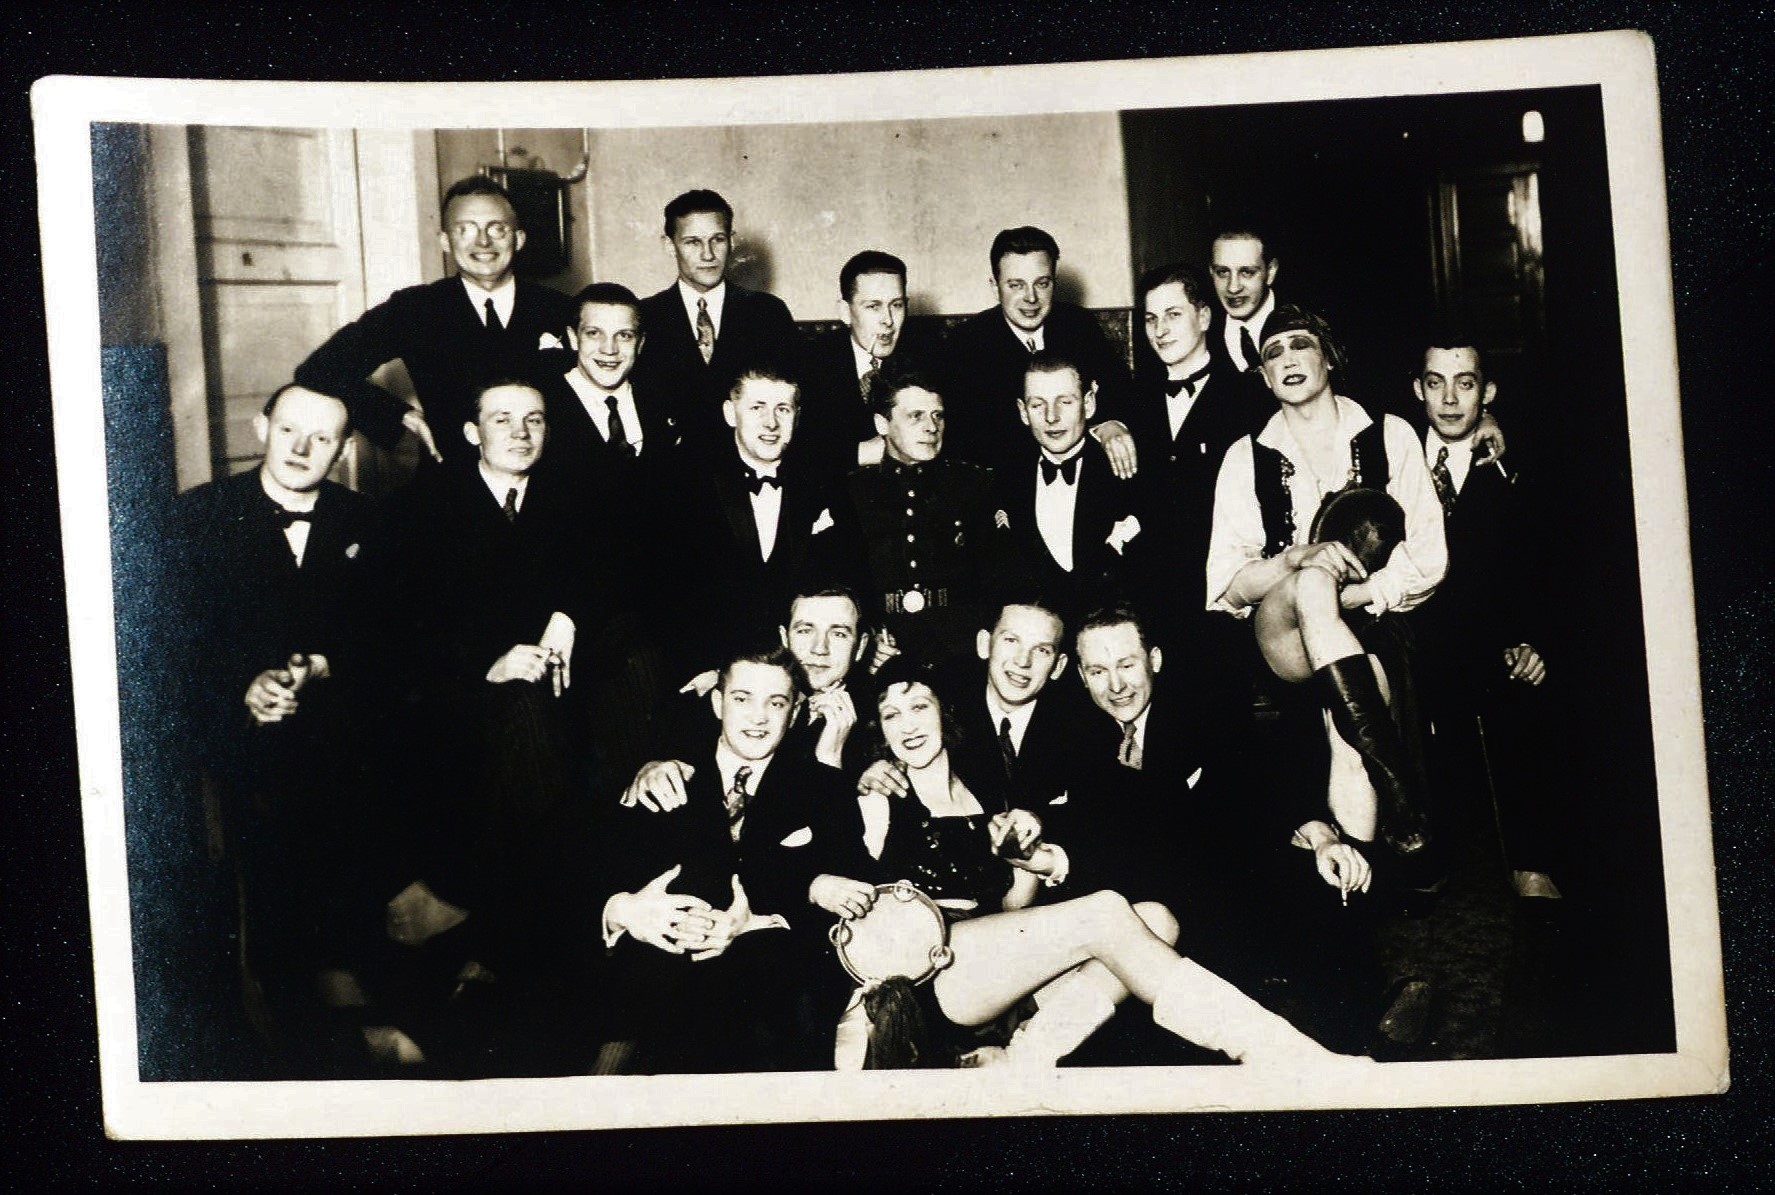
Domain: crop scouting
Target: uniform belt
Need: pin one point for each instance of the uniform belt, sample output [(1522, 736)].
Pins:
[(897, 601)]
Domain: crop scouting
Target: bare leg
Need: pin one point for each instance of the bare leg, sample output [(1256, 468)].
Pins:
[(1300, 626)]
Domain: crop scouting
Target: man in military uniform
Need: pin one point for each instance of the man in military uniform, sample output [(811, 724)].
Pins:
[(928, 525)]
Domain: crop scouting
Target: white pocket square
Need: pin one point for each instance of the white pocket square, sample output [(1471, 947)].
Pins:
[(801, 837), (1059, 800), (1193, 777), (823, 522), (1122, 532), (548, 340)]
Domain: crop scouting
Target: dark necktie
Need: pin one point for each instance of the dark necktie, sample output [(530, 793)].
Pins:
[(1176, 386), (493, 324), (705, 331), (1068, 469), (1006, 747), (1247, 347), (736, 802), (1029, 343), (619, 435), (1129, 754), (866, 383), (511, 505), (285, 519), (1445, 482), (757, 481)]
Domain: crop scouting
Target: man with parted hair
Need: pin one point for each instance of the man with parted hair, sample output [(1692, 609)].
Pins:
[(1244, 268), (844, 369), (705, 329), (985, 357), (452, 335)]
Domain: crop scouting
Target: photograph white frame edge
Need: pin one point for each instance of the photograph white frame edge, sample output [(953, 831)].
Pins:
[(1621, 63)]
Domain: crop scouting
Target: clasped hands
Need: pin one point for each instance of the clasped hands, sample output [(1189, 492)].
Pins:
[(271, 696), (677, 922)]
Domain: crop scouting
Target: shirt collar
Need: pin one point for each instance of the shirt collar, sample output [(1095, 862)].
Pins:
[(1061, 460), (1255, 320), (504, 297), (861, 356), (715, 297), (497, 488), (312, 498), (1351, 419), (728, 763), (1019, 715), (1039, 335)]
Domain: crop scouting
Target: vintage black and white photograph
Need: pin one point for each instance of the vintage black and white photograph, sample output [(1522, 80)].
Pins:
[(1119, 587)]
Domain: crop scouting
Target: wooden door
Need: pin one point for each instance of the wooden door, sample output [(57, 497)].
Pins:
[(279, 265)]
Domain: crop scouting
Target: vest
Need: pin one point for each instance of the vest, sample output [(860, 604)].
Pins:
[(1272, 470)]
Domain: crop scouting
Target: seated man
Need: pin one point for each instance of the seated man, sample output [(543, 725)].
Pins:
[(933, 553), (695, 902), (493, 585), (453, 335), (1484, 683), (1074, 526), (273, 561)]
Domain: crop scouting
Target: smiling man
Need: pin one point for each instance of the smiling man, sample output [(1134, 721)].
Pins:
[(985, 357), (1244, 269), (706, 329), (603, 427), (452, 335)]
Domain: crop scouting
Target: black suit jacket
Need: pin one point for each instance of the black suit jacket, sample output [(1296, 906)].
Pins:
[(1042, 771), (724, 593), (834, 417), (754, 325), (248, 607), (1099, 573), (985, 362), (437, 332), (1177, 475), (1217, 340)]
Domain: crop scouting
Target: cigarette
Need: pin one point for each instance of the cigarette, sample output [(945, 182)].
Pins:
[(1500, 467), (1344, 895)]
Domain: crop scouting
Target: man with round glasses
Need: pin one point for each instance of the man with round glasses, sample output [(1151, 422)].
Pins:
[(452, 335)]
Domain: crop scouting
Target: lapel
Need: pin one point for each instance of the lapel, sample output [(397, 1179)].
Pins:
[(735, 501), (729, 335), (1090, 514)]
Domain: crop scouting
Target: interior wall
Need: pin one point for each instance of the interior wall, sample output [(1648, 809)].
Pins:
[(934, 192)]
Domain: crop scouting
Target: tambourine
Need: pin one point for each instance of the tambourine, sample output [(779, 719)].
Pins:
[(903, 936)]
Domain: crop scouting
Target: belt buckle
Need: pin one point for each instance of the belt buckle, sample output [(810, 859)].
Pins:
[(913, 601)]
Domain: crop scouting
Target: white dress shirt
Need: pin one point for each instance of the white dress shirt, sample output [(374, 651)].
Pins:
[(716, 298), (767, 511), (1023, 338), (504, 297), (1056, 502), (1460, 456), (1237, 538), (1255, 323), (296, 534), (593, 400), (497, 487), (1019, 716)]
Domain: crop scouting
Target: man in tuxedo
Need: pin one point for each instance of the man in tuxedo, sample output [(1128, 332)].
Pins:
[(695, 900), (1074, 525), (453, 335), (986, 356), (706, 330), (839, 428), (1484, 678), (934, 555), (1244, 269), (276, 666), (753, 523)]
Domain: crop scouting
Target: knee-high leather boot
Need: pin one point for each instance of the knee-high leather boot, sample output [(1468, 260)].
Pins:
[(1361, 717)]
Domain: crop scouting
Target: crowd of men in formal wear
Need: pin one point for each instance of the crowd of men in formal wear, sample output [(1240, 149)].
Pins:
[(517, 764)]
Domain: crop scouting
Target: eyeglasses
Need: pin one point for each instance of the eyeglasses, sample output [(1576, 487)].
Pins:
[(468, 230)]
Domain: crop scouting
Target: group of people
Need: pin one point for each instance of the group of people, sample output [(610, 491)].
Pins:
[(694, 640)]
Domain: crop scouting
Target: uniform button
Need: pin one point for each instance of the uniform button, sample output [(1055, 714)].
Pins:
[(912, 493), (914, 564), (908, 511), (910, 537)]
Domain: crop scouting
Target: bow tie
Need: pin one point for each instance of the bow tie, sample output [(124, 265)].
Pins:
[(1174, 388), (757, 481), (284, 518), (1069, 469)]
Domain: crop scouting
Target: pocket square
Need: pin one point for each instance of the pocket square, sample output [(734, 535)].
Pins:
[(801, 837), (1193, 777), (1059, 800), (1122, 532), (351, 551), (824, 522), (1000, 519), (548, 340)]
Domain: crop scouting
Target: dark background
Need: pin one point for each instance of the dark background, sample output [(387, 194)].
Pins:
[(1716, 112)]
